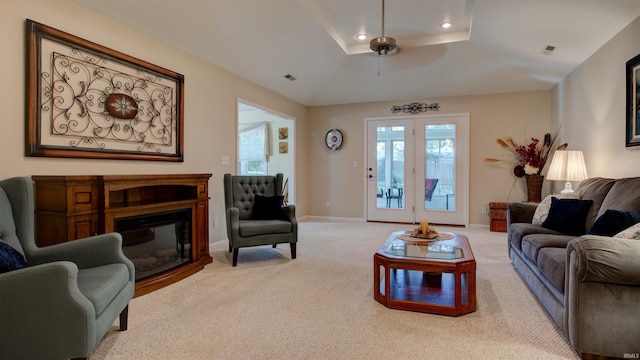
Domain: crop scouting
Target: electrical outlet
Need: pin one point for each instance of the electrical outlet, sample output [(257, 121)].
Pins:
[(326, 204), (484, 210), (216, 223), (225, 160)]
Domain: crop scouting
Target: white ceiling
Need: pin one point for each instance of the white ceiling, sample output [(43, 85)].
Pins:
[(493, 46)]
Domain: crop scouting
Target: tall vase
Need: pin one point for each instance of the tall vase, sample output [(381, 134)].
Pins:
[(534, 188)]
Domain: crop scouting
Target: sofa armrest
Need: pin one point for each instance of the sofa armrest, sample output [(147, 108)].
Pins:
[(233, 223), (605, 259), (602, 295), (520, 212), (41, 305), (289, 212), (89, 252)]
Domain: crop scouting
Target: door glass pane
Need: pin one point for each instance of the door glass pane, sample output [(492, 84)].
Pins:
[(390, 161), (439, 182)]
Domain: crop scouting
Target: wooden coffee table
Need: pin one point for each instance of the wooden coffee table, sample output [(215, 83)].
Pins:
[(436, 277)]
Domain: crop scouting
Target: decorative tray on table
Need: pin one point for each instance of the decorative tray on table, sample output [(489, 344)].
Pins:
[(418, 237)]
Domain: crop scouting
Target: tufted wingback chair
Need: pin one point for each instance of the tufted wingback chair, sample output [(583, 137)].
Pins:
[(68, 296), (255, 214)]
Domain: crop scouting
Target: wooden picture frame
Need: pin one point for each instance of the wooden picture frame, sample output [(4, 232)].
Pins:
[(633, 102), (88, 101)]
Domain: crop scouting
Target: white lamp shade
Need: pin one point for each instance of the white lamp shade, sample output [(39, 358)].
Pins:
[(567, 165)]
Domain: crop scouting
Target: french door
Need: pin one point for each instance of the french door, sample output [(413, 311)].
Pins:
[(417, 167)]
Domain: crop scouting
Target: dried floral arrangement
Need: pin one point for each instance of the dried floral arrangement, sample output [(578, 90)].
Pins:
[(531, 158)]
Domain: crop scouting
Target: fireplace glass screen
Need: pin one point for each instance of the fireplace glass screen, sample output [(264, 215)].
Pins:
[(157, 242)]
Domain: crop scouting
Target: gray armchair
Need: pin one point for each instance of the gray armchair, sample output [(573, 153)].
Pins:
[(255, 216), (68, 296)]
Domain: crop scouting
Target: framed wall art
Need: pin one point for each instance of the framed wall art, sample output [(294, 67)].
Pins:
[(283, 133), (283, 147), (633, 102), (87, 101)]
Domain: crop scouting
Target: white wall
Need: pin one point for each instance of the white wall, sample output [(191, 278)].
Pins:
[(589, 103), (210, 102), (590, 107), (334, 179), (276, 162)]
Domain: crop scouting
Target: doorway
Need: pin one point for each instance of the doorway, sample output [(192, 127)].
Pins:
[(417, 167), (266, 144)]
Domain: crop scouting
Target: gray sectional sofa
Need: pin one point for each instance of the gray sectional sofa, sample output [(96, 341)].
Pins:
[(589, 284)]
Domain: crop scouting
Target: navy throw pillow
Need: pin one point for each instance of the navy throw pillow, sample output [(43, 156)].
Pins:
[(614, 221), (267, 207), (568, 216), (10, 258)]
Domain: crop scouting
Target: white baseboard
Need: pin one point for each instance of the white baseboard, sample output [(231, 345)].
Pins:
[(345, 219), (330, 218)]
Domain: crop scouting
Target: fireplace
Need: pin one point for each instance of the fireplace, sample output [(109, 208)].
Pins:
[(163, 219), (156, 242)]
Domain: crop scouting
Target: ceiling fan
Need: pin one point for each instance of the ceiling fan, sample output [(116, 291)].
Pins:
[(383, 45)]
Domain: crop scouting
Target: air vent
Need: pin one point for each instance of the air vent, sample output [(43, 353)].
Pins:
[(548, 49), (290, 77)]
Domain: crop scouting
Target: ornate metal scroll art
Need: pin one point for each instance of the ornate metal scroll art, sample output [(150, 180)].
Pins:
[(92, 102), (415, 108)]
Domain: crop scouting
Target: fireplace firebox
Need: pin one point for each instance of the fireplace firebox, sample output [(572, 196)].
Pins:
[(156, 242)]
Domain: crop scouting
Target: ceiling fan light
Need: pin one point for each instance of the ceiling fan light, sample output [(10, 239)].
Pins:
[(383, 45)]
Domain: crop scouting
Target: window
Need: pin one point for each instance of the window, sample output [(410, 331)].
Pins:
[(253, 148)]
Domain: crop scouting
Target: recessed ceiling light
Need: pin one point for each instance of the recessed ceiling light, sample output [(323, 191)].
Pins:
[(362, 36), (445, 25)]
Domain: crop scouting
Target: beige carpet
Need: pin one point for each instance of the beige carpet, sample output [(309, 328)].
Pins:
[(321, 306)]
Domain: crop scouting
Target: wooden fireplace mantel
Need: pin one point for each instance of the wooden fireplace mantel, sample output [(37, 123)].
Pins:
[(74, 207)]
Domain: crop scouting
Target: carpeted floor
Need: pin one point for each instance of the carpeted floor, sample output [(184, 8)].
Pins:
[(321, 306)]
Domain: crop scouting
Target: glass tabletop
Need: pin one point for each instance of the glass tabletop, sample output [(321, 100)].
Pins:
[(432, 250)]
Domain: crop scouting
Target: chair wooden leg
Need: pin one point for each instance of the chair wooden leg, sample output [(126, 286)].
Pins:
[(230, 249), (274, 245), (124, 319), (293, 250), (235, 256)]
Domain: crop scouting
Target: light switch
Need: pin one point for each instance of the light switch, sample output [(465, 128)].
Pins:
[(225, 160)]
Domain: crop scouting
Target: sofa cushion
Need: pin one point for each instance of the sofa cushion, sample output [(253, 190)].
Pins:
[(551, 263), (632, 232), (532, 244), (101, 284), (595, 189), (10, 258), (568, 215), (517, 231), (542, 210), (624, 195), (262, 227), (614, 221)]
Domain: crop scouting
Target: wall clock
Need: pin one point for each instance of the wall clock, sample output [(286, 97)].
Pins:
[(333, 139)]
